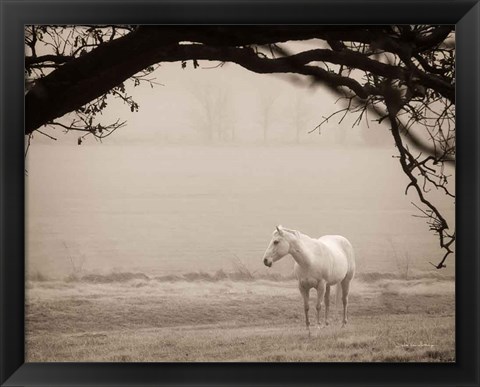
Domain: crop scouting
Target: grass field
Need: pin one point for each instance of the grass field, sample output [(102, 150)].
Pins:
[(200, 317)]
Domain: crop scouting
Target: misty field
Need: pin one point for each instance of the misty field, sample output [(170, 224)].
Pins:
[(154, 253), (169, 210), (221, 317)]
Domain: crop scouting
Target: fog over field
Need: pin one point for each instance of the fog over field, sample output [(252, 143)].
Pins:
[(173, 209), (173, 216)]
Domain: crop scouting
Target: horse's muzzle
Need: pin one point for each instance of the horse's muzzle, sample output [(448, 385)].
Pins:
[(266, 263)]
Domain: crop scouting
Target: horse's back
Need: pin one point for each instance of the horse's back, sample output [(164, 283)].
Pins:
[(341, 248)]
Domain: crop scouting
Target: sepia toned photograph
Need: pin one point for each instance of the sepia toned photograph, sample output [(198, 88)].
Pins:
[(240, 193)]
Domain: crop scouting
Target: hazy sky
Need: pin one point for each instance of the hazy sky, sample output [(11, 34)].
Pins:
[(174, 109)]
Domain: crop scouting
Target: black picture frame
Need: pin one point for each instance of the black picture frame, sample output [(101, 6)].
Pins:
[(465, 14)]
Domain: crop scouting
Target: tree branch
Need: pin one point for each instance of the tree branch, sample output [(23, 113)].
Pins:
[(58, 59)]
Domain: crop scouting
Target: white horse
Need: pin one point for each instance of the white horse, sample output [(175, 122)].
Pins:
[(319, 263)]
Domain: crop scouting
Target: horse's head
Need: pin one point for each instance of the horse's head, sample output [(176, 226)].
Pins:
[(279, 246)]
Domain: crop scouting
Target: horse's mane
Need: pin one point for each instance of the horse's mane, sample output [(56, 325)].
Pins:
[(297, 233)]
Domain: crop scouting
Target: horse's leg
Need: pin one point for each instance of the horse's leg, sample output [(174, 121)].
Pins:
[(320, 297), (306, 296), (327, 303), (345, 290)]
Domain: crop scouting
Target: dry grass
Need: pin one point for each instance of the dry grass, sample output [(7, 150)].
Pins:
[(140, 319)]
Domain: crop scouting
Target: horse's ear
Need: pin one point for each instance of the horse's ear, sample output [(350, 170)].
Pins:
[(280, 230)]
